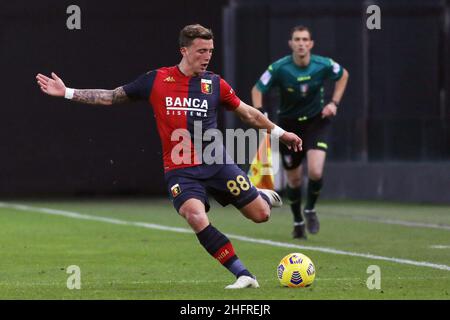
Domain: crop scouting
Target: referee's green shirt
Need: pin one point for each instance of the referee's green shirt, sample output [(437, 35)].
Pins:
[(301, 88)]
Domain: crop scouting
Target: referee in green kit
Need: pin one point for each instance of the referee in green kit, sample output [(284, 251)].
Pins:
[(300, 78)]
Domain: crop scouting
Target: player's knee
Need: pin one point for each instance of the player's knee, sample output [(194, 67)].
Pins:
[(315, 174), (191, 217), (194, 216), (265, 216), (262, 215)]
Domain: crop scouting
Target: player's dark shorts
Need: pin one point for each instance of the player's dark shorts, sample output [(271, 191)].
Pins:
[(227, 183), (314, 134)]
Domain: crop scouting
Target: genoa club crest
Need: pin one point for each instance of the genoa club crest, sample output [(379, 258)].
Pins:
[(176, 190), (206, 86)]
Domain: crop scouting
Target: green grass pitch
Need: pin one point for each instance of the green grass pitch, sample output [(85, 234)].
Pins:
[(120, 258)]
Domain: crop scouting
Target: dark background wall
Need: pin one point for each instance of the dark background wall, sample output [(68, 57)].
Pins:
[(393, 125)]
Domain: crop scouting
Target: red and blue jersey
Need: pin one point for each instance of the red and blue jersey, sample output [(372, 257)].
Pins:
[(178, 101)]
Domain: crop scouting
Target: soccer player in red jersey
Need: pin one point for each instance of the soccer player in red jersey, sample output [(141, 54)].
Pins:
[(183, 97)]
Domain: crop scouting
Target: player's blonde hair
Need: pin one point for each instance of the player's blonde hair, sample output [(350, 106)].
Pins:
[(193, 31)]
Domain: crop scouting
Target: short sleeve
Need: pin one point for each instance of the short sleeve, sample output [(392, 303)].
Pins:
[(140, 88), (334, 70), (228, 96), (266, 80)]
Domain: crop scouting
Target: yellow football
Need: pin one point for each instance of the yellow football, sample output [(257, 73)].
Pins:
[(296, 270)]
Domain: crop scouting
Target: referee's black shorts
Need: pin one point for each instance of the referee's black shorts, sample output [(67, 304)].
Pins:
[(314, 133)]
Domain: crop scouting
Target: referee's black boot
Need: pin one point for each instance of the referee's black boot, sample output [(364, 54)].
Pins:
[(312, 221), (299, 231)]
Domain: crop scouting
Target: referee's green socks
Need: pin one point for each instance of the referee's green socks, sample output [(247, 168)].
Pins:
[(295, 199), (312, 193)]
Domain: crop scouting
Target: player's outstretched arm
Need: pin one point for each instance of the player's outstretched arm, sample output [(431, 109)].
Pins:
[(256, 119), (54, 86)]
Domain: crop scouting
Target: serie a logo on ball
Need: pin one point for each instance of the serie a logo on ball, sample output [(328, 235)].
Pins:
[(296, 270)]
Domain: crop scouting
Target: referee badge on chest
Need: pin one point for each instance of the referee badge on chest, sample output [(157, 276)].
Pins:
[(304, 89), (206, 86)]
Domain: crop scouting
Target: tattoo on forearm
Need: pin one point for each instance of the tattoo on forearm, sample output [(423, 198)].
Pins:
[(100, 96), (119, 95)]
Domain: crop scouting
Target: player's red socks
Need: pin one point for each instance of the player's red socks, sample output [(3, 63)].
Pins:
[(220, 247)]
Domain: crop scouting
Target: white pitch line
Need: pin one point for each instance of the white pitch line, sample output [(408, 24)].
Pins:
[(77, 215), (439, 246), (403, 222)]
